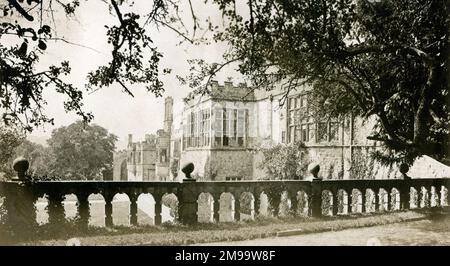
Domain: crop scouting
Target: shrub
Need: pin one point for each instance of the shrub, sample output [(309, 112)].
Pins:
[(285, 161)]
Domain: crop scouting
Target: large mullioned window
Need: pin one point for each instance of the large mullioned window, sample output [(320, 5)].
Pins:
[(224, 127), (303, 127)]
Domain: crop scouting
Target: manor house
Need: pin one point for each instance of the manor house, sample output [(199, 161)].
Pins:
[(221, 133)]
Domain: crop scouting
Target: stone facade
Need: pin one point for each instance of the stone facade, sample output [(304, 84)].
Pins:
[(222, 133), (120, 172), (334, 145), (147, 160)]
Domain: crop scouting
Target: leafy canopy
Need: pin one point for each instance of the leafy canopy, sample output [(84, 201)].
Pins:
[(386, 59), (27, 26), (81, 151)]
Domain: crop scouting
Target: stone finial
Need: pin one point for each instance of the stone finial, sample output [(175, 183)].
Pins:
[(314, 170), (20, 165), (187, 169), (404, 168)]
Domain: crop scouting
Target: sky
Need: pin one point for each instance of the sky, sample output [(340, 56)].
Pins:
[(116, 111)]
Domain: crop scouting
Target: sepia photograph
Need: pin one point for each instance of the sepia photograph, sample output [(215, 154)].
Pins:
[(244, 124)]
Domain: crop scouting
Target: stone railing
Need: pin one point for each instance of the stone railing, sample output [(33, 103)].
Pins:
[(314, 198)]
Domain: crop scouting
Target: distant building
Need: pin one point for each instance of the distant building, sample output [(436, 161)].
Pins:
[(120, 172), (146, 160)]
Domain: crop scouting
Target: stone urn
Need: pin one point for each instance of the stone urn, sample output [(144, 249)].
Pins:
[(187, 169), (20, 165), (314, 169)]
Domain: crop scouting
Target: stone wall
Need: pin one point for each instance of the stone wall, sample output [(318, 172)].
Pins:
[(331, 160), (119, 158), (232, 163), (200, 159), (218, 164)]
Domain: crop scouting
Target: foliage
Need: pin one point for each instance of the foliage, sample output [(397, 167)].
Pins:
[(387, 59), (285, 161), (175, 165), (37, 155), (81, 151), (10, 139), (22, 85), (78, 151), (26, 28), (362, 165)]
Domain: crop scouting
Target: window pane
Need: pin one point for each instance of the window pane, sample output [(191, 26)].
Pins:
[(322, 134), (291, 118), (304, 101), (304, 133), (297, 117), (233, 128), (291, 134), (235, 123), (218, 127), (240, 124), (311, 131), (297, 134), (240, 127), (226, 127), (334, 131)]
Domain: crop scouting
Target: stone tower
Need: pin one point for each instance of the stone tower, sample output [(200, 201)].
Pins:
[(168, 114)]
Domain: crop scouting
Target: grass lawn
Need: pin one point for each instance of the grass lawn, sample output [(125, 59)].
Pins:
[(173, 234)]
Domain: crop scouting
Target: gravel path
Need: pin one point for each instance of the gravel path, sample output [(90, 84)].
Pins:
[(424, 232)]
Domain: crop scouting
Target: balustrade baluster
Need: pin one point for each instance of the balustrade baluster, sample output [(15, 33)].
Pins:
[(349, 201), (158, 209), (405, 197), (237, 209), (275, 201), (133, 209), (294, 203), (377, 199), (388, 199), (56, 215), (335, 203), (363, 201), (108, 210), (83, 209), (256, 204), (216, 209), (316, 198)]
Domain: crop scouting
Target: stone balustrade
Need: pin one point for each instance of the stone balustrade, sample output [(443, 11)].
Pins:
[(319, 198), (315, 198)]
